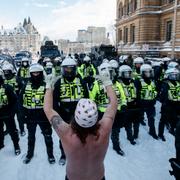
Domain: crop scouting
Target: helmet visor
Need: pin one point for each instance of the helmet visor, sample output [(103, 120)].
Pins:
[(127, 75), (69, 71), (174, 76), (148, 74)]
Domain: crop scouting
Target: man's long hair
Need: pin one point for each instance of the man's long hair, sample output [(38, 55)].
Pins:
[(82, 133)]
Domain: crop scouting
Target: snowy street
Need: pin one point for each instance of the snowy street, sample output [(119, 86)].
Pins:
[(148, 160)]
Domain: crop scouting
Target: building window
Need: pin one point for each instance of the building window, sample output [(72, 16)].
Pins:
[(128, 8), (170, 1), (119, 35), (125, 35), (168, 30), (135, 5), (132, 33)]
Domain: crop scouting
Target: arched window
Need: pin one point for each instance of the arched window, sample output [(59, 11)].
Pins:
[(120, 11)]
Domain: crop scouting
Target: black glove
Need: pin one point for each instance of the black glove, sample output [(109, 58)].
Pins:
[(123, 108)]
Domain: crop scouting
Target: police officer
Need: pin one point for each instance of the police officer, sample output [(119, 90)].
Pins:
[(8, 100), (170, 98), (57, 65), (87, 71), (68, 90), (138, 62), (32, 100), (11, 79), (166, 61), (99, 95), (158, 75), (133, 110), (146, 91), (49, 69), (23, 72)]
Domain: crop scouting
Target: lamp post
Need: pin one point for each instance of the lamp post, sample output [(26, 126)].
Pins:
[(174, 30)]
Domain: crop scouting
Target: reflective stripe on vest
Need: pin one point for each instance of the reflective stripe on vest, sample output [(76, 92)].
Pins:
[(130, 91), (3, 97), (71, 91), (33, 98), (148, 92), (174, 91), (24, 72), (101, 97)]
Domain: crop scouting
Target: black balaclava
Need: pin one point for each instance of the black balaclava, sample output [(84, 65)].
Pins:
[(37, 80), (8, 74)]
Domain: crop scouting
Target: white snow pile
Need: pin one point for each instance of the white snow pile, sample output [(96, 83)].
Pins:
[(148, 160)]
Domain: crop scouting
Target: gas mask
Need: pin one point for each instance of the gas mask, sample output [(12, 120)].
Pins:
[(25, 64)]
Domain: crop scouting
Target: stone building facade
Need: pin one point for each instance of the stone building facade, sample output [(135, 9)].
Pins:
[(146, 27), (23, 37), (93, 35)]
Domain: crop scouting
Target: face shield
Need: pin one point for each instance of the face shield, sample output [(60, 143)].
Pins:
[(138, 65), (174, 76), (69, 72), (127, 75), (8, 74), (37, 78), (148, 74)]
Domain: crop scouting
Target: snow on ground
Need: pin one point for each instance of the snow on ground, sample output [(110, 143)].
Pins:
[(148, 160)]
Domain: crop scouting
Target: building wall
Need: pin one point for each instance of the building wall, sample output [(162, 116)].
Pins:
[(150, 18), (94, 35), (22, 37)]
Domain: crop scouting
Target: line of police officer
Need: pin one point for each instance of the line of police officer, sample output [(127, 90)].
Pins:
[(135, 88)]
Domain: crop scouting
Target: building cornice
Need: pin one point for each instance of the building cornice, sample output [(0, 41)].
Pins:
[(136, 14)]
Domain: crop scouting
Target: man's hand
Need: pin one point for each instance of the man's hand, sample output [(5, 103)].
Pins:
[(104, 76), (50, 81)]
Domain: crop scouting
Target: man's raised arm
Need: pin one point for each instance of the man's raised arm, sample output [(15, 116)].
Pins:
[(111, 110), (57, 122), (109, 115)]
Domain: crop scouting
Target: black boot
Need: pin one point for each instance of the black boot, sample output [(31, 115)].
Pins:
[(162, 137), (119, 151), (22, 133), (27, 159), (49, 147), (154, 135), (133, 142), (30, 152), (17, 149), (142, 123), (62, 160), (115, 141), (51, 159)]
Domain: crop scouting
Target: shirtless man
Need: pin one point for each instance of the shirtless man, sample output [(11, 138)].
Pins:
[(85, 140)]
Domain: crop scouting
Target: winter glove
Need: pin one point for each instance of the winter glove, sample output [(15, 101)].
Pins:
[(50, 81), (104, 76)]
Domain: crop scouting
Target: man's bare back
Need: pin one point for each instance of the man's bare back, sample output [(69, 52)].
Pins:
[(85, 161)]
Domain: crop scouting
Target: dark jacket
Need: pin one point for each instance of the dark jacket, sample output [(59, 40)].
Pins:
[(66, 109), (9, 109)]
